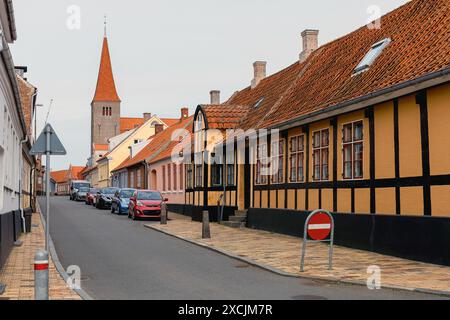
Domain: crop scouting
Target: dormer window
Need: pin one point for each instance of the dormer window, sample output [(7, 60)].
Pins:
[(371, 56)]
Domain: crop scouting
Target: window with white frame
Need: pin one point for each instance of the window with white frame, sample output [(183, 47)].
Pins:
[(277, 161), (320, 155), (198, 175), (297, 151), (261, 164), (352, 149), (189, 176)]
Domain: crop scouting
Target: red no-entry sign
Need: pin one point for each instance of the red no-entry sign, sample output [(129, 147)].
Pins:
[(319, 226)]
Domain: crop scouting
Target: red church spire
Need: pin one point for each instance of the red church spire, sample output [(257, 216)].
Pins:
[(106, 87)]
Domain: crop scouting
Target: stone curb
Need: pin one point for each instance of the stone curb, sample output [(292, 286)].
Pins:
[(291, 275), (83, 294)]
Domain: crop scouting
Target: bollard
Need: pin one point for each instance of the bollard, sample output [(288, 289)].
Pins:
[(164, 213), (206, 233), (41, 275)]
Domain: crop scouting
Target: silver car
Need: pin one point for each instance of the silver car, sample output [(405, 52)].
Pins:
[(80, 195)]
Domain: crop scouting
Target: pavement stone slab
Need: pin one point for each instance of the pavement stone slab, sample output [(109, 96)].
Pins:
[(281, 253), (18, 272)]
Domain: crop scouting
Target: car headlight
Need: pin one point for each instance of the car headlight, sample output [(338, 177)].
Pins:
[(140, 204)]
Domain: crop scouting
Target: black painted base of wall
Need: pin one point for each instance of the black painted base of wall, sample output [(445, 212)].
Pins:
[(10, 230), (424, 239), (195, 212)]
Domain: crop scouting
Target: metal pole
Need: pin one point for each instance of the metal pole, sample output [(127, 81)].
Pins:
[(164, 213), (305, 240), (41, 275), (47, 178)]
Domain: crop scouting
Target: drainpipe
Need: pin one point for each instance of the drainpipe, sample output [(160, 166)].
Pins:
[(21, 182)]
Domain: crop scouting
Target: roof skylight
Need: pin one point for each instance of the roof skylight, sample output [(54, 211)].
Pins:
[(371, 56), (258, 103)]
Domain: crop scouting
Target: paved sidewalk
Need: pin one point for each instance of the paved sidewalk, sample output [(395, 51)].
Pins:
[(282, 253), (18, 272)]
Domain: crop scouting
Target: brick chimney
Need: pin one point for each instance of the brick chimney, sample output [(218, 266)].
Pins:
[(215, 96), (159, 128), (259, 70), (184, 113), (310, 39), (147, 116)]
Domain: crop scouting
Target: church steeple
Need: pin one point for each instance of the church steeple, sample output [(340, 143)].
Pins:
[(106, 87)]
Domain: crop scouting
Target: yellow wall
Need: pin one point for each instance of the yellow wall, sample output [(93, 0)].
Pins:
[(409, 137), (385, 200), (384, 141), (438, 127), (411, 201)]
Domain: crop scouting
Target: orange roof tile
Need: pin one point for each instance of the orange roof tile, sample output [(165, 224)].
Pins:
[(26, 91), (106, 87), (159, 143), (75, 172), (60, 176), (419, 47), (224, 116), (101, 147), (419, 31), (170, 121), (127, 124)]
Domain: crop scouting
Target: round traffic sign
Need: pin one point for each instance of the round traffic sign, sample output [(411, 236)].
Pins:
[(319, 226)]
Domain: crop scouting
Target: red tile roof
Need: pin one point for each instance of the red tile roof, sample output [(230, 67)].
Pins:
[(159, 143), (106, 88), (224, 116), (419, 31), (60, 176), (26, 91), (101, 147), (127, 124), (75, 172)]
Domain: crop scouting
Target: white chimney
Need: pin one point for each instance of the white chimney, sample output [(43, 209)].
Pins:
[(215, 96), (310, 39), (259, 70)]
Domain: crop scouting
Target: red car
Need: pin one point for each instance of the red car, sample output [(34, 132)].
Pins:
[(90, 195), (145, 204)]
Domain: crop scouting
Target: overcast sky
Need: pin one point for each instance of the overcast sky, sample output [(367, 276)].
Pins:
[(166, 54)]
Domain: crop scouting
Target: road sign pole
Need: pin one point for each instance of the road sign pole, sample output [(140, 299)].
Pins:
[(47, 177)]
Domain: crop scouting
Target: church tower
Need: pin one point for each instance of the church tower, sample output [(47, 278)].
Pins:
[(105, 107)]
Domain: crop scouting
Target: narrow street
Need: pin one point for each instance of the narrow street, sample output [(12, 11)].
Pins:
[(121, 259)]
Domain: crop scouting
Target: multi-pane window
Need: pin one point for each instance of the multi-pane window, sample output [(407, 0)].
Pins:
[(216, 174), (261, 160), (139, 178), (198, 175), (164, 177), (230, 175), (189, 182), (181, 176), (132, 179), (352, 142), (169, 178), (320, 155), (175, 187), (277, 161), (297, 146)]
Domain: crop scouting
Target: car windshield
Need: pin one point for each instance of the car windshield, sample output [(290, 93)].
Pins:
[(109, 191), (92, 190), (126, 194), (84, 189), (149, 195), (79, 185)]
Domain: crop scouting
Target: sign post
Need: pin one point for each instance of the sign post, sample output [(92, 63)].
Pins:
[(319, 227), (47, 144)]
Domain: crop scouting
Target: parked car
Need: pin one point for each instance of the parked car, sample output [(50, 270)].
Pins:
[(75, 185), (90, 196), (104, 197), (121, 200), (81, 193), (145, 204)]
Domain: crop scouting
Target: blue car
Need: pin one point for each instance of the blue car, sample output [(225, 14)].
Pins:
[(121, 200)]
